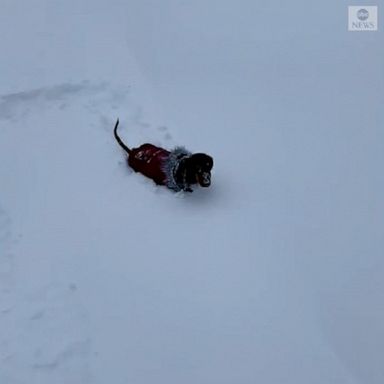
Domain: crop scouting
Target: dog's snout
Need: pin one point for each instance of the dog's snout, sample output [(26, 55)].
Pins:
[(206, 179)]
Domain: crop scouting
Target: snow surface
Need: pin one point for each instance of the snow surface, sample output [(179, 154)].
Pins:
[(273, 275)]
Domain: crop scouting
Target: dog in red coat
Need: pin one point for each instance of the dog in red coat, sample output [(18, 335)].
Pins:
[(177, 169)]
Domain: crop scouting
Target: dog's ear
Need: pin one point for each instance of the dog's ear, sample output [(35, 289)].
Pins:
[(209, 162)]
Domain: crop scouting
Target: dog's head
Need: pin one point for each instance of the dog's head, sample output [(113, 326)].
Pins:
[(198, 167)]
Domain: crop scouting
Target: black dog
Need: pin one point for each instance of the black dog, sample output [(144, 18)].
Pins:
[(178, 169)]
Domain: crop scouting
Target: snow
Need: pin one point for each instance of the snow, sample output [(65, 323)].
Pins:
[(273, 275)]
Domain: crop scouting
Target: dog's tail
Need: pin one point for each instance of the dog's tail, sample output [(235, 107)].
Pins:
[(122, 145)]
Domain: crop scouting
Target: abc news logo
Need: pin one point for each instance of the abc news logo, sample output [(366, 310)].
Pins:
[(362, 18)]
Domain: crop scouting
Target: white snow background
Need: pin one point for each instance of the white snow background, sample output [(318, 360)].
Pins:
[(273, 275)]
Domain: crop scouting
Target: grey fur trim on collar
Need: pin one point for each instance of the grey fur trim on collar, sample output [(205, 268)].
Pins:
[(170, 168)]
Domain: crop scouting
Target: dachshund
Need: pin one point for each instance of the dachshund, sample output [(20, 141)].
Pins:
[(177, 169)]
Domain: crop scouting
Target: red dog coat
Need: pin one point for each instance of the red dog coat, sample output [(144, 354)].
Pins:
[(158, 164), (149, 160)]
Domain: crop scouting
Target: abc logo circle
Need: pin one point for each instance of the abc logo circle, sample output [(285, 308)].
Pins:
[(362, 14)]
